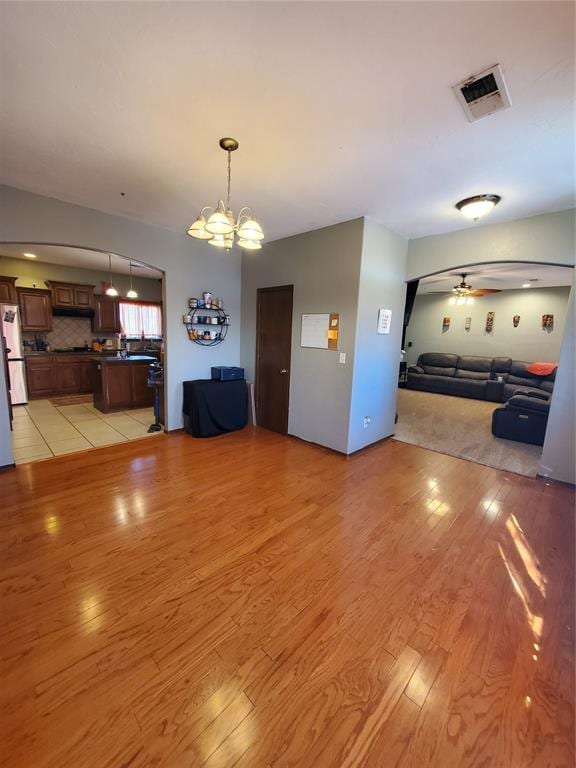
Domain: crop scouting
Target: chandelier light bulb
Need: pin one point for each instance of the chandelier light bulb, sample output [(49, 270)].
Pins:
[(197, 229), (111, 291), (219, 224), (249, 245)]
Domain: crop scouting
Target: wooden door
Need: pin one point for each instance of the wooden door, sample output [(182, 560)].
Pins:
[(106, 315), (40, 377), (83, 297), (68, 377), (273, 353), (35, 309), (63, 295)]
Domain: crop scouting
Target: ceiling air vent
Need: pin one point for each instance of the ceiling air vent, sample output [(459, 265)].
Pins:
[(483, 94)]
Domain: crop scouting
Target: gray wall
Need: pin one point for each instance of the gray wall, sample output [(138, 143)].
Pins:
[(32, 273), (559, 455), (547, 238), (324, 267), (526, 342), (190, 267), (376, 357)]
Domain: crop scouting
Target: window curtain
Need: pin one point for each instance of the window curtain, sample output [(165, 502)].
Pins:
[(137, 319)]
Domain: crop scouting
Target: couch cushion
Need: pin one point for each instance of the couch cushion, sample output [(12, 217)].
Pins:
[(467, 388), (473, 363), (434, 370), (523, 381), (438, 360), (478, 375), (524, 402), (428, 383), (509, 389), (547, 386), (501, 366)]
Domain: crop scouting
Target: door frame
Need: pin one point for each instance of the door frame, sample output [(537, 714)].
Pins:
[(259, 292)]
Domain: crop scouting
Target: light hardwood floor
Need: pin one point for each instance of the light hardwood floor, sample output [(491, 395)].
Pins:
[(255, 601)]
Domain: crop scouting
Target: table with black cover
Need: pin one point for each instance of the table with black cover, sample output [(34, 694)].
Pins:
[(214, 407)]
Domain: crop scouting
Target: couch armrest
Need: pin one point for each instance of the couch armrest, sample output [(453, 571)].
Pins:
[(415, 369), (531, 393), (530, 404)]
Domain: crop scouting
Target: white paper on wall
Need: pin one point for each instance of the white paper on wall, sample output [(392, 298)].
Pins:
[(315, 331)]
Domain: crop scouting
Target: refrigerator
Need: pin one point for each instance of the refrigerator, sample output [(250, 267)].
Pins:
[(12, 333)]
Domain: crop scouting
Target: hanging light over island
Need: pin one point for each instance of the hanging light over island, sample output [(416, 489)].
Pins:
[(219, 227)]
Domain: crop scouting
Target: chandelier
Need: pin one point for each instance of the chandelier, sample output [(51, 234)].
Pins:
[(218, 225), (463, 293)]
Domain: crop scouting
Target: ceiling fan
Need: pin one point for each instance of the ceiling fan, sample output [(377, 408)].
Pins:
[(464, 293)]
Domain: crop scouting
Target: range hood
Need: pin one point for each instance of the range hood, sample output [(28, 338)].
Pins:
[(72, 312)]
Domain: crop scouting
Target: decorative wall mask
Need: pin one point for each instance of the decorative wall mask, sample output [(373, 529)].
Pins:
[(445, 324), (516, 321), (489, 322), (548, 323), (467, 323)]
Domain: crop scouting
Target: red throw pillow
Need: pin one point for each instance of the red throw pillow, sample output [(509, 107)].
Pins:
[(541, 369)]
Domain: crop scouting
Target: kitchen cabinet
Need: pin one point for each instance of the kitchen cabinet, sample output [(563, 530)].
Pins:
[(41, 377), (8, 293), (49, 375), (106, 315), (35, 309), (121, 384), (72, 295)]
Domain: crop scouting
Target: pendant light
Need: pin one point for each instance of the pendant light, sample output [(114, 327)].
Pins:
[(218, 225), (111, 291), (131, 293)]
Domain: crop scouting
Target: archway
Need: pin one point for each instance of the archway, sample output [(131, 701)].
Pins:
[(457, 425), (40, 267)]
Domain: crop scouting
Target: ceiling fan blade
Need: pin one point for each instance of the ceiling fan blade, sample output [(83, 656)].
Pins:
[(485, 291)]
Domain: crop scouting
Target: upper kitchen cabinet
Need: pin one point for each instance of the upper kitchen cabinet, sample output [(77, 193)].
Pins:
[(8, 293), (106, 317), (35, 309), (72, 295)]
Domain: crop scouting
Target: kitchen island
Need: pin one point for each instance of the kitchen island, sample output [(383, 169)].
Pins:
[(120, 383)]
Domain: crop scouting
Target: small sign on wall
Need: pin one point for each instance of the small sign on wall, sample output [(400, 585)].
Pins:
[(384, 320)]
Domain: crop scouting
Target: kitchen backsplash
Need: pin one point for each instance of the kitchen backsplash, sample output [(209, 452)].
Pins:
[(69, 332)]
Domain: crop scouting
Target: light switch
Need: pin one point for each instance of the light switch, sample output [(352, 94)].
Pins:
[(342, 358)]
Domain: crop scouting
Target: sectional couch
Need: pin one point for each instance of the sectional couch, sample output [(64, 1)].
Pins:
[(485, 378)]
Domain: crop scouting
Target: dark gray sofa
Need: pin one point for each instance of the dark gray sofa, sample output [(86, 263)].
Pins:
[(483, 378), (523, 418)]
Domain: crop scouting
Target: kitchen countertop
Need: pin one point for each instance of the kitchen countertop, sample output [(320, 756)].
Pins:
[(86, 353), (132, 359)]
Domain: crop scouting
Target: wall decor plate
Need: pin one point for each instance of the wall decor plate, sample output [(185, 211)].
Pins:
[(516, 321), (467, 323), (489, 322), (445, 324), (548, 323)]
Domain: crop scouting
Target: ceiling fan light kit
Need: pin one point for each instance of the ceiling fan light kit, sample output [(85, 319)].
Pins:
[(218, 225), (477, 206)]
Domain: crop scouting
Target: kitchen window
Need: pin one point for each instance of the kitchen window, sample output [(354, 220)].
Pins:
[(141, 318)]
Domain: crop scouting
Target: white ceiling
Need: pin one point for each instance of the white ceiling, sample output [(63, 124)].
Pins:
[(82, 258), (503, 276), (341, 109)]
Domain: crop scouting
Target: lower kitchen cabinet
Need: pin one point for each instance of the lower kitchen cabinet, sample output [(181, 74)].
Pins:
[(49, 375), (121, 384)]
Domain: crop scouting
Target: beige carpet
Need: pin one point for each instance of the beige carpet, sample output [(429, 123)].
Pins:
[(461, 427)]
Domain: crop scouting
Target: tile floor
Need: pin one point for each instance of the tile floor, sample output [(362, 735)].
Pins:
[(42, 430)]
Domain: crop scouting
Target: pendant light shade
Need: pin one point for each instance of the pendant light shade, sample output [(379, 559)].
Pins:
[(219, 224), (197, 229), (249, 245), (250, 230), (221, 227)]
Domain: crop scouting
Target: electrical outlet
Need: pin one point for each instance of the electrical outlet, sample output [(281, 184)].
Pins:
[(366, 421), (342, 358)]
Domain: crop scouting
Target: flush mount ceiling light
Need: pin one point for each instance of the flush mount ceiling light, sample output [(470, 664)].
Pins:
[(29, 255), (111, 291), (131, 293), (462, 293), (479, 205), (218, 225)]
